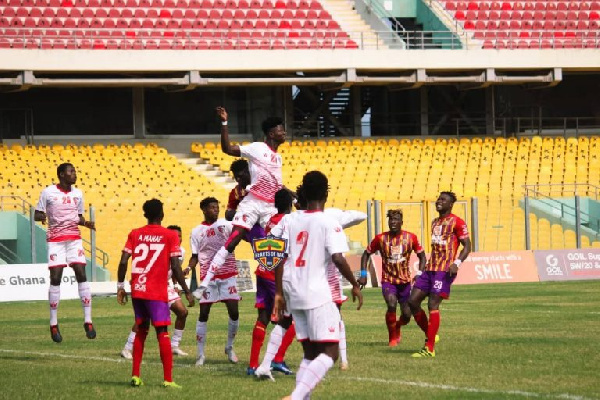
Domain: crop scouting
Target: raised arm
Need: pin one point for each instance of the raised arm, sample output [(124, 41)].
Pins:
[(226, 146)]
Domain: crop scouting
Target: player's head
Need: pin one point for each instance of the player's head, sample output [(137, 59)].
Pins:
[(66, 173), (274, 130), (315, 186), (240, 171), (153, 211), (444, 202), (283, 201), (395, 220), (177, 229), (210, 208), (300, 198)]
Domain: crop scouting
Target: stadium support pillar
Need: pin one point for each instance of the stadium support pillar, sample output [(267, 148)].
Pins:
[(93, 243), (32, 233), (424, 110), (369, 221), (490, 112), (139, 115), (578, 222), (377, 217), (475, 223), (356, 110), (527, 223)]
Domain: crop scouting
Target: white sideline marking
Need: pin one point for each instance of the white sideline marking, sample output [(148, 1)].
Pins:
[(424, 385)]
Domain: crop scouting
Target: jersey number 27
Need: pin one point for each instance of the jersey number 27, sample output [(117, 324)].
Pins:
[(144, 251)]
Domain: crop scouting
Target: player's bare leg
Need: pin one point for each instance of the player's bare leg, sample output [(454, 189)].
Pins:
[(232, 328), (390, 318), (235, 238), (54, 299), (201, 328), (181, 314), (85, 294)]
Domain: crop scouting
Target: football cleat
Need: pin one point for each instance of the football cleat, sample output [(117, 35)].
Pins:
[(200, 361), (125, 353), (264, 373), (178, 352), (171, 385), (231, 356), (281, 367), (90, 332), (136, 381), (424, 353), (55, 333), (393, 343), (344, 366), (250, 371)]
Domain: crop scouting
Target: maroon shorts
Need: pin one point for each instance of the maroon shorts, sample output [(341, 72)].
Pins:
[(154, 310), (400, 291), (436, 282)]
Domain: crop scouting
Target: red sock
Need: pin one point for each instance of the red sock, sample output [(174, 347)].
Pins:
[(432, 330), (287, 340), (164, 344), (390, 321), (421, 320), (401, 322), (258, 338), (138, 350)]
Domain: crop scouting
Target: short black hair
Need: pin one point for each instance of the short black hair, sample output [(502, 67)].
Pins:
[(315, 186), (300, 197), (153, 209), (206, 201), (62, 168), (451, 195), (271, 123), (174, 228), (238, 166), (283, 200)]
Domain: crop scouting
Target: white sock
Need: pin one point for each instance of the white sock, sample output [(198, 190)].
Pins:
[(301, 370), (343, 354), (130, 339), (85, 294), (54, 299), (315, 372), (273, 346), (176, 338), (200, 337), (216, 263), (232, 328)]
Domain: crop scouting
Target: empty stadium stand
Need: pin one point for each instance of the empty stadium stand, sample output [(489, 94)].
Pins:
[(536, 24), (169, 24)]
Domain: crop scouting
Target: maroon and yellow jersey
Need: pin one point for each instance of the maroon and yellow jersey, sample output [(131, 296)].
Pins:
[(235, 197), (395, 253), (445, 235)]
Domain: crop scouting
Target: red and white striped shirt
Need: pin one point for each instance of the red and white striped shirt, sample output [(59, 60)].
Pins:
[(265, 170), (63, 210), (445, 235), (207, 242)]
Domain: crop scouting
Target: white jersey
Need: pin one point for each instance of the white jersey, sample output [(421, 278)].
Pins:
[(63, 210), (346, 219), (170, 274), (265, 170), (206, 242), (312, 240)]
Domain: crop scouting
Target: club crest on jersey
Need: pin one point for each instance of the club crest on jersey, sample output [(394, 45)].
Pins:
[(269, 251)]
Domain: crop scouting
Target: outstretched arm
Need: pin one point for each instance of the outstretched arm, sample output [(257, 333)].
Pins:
[(226, 146)]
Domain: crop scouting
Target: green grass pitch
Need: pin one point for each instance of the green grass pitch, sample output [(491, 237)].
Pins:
[(508, 341)]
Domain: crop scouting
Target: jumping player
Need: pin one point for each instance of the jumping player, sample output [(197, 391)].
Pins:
[(223, 286), (314, 240), (62, 205), (154, 249), (395, 247), (447, 231), (265, 177), (175, 305)]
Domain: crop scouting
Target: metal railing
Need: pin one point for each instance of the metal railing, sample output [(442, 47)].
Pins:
[(9, 256), (559, 190)]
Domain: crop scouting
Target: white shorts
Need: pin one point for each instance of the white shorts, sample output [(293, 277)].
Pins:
[(69, 252), (252, 210), (173, 295), (221, 290), (321, 324)]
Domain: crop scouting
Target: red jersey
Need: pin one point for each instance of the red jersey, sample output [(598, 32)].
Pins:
[(395, 253), (445, 235), (152, 247), (260, 271), (235, 197)]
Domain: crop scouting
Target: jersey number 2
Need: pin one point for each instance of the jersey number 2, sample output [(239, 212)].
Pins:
[(144, 250), (302, 239)]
